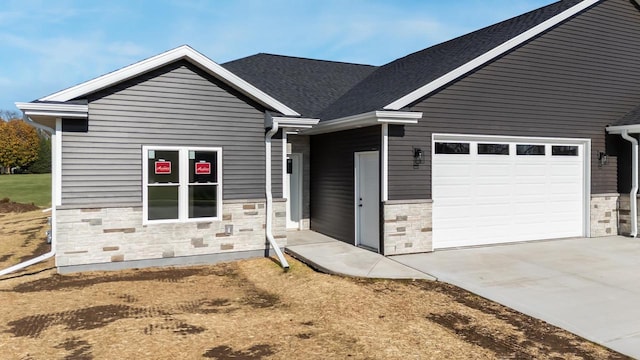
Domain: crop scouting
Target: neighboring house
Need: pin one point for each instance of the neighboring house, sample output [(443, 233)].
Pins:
[(496, 136)]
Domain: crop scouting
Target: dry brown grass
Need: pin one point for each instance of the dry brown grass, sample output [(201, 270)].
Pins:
[(22, 237), (252, 310)]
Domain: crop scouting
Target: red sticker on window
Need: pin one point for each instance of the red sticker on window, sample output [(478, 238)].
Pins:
[(163, 167), (203, 168)]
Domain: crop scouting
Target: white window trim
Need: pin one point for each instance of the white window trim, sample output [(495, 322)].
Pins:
[(183, 187)]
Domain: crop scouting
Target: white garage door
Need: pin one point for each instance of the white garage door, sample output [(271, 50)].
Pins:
[(487, 191)]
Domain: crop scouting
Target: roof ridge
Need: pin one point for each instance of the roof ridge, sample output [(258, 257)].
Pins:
[(301, 58)]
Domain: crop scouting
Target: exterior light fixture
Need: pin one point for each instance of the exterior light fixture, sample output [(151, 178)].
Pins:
[(602, 159), (418, 156)]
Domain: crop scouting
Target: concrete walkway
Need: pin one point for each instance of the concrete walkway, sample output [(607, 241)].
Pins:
[(335, 257), (590, 287)]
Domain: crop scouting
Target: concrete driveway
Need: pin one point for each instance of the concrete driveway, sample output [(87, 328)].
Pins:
[(590, 287)]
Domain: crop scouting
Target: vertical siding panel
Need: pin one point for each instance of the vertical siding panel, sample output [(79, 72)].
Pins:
[(570, 82), (332, 179), (177, 105)]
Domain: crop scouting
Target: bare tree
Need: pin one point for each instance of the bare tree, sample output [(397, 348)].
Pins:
[(7, 115)]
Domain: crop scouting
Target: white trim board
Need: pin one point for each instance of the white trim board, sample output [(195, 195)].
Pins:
[(489, 56), (366, 119), (179, 53)]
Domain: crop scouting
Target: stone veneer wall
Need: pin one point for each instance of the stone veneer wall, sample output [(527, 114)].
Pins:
[(624, 215), (407, 227), (604, 214), (111, 235)]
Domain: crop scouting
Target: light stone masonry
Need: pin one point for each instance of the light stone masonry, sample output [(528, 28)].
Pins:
[(604, 214), (407, 227), (101, 235)]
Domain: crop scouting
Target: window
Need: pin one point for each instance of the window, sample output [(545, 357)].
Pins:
[(452, 148), (530, 149), (564, 150), (493, 149), (181, 184)]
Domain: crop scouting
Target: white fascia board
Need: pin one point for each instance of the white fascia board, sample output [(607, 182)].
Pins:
[(182, 52), (635, 128), (488, 56), (298, 123), (54, 110), (366, 119)]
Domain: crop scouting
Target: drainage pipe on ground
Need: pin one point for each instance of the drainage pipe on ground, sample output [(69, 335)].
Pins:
[(52, 252), (269, 206), (633, 195)]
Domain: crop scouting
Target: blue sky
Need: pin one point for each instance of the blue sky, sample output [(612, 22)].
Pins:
[(49, 45)]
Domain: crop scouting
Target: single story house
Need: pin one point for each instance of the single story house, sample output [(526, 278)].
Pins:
[(523, 130)]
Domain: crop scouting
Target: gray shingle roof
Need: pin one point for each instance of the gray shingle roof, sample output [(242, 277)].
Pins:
[(330, 90), (402, 76), (630, 118), (308, 86)]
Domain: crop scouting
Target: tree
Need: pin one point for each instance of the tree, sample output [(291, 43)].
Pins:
[(43, 164), (19, 144), (8, 115)]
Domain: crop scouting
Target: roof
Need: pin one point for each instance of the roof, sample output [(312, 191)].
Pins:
[(183, 52), (306, 85), (416, 71), (630, 118)]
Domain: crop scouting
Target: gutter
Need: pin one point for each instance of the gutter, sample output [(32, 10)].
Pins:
[(51, 252), (633, 195), (274, 123), (269, 206)]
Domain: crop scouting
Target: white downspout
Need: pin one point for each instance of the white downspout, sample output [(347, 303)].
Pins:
[(269, 207), (633, 195), (51, 252)]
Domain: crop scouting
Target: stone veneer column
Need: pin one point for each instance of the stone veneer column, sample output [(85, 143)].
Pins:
[(407, 226), (604, 214), (624, 215), (109, 235)]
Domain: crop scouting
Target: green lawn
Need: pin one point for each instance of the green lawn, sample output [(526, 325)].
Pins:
[(27, 188)]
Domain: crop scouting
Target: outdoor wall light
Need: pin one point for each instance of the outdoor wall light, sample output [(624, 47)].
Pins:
[(418, 156), (602, 158)]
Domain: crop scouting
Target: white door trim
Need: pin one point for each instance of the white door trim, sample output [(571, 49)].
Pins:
[(357, 192), (586, 143)]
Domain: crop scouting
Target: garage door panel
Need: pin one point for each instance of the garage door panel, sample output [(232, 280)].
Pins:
[(486, 199)]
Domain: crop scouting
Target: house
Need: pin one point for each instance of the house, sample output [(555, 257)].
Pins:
[(523, 130)]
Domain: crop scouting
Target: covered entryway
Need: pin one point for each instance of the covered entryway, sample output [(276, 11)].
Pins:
[(489, 190)]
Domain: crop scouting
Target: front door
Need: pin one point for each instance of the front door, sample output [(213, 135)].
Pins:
[(367, 199), (294, 186)]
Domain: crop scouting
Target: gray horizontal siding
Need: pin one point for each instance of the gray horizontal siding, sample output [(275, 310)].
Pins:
[(570, 82), (332, 179), (177, 105)]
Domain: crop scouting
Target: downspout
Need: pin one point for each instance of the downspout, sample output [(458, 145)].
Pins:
[(269, 207), (51, 252), (633, 195)]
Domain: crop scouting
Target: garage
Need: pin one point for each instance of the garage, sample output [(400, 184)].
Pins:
[(491, 190)]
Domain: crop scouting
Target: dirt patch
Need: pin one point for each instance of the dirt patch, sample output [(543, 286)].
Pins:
[(8, 206), (82, 319), (60, 282), (255, 352), (253, 310), (78, 349)]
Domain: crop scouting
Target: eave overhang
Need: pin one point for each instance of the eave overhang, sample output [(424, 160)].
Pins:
[(363, 120), (619, 129)]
